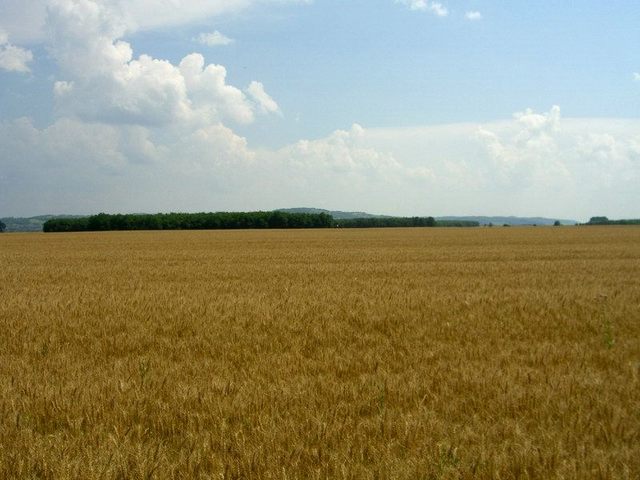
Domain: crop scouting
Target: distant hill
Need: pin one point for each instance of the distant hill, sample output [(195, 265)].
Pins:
[(30, 224), (338, 215), (512, 220)]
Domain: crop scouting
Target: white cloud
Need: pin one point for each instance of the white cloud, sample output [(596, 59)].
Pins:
[(101, 81), (535, 122), (636, 77), (426, 5), (414, 4), (265, 103), (148, 14), (13, 58), (532, 164), (341, 170), (531, 155), (588, 164), (341, 152), (77, 166), (62, 88), (473, 16), (438, 9), (214, 39), (211, 97), (24, 20), (145, 134), (131, 168), (130, 132)]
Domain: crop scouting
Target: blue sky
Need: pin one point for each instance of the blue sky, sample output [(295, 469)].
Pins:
[(402, 107)]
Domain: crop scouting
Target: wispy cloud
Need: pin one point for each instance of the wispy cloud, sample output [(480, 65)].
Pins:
[(26, 20), (426, 6), (636, 77), (214, 39), (265, 103), (473, 16)]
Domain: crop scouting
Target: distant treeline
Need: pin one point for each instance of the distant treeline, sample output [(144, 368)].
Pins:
[(234, 220), (457, 223), (385, 222), (606, 221), (189, 221)]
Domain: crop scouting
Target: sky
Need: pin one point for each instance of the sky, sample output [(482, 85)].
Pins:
[(400, 107)]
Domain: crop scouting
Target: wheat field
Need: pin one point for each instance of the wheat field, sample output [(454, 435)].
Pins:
[(489, 353)]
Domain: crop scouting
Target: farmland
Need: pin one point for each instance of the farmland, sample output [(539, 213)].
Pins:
[(327, 354)]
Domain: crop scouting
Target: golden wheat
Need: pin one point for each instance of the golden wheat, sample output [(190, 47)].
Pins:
[(333, 354)]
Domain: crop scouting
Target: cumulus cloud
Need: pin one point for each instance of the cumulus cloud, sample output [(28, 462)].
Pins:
[(88, 167), (589, 164), (535, 163), (127, 167), (473, 16), (341, 170), (426, 5), (212, 98), (532, 164), (214, 39), (530, 156), (102, 81), (537, 123), (615, 161), (13, 58), (340, 152), (138, 133)]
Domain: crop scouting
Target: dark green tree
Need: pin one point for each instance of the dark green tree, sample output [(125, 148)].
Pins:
[(3, 227), (189, 221), (557, 223), (102, 221)]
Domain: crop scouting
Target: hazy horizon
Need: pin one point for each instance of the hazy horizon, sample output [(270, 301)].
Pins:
[(61, 214)]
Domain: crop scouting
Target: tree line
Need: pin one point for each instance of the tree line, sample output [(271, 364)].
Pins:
[(606, 221), (189, 221), (233, 220), (386, 222)]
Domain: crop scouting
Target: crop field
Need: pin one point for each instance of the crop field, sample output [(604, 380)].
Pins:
[(487, 353)]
